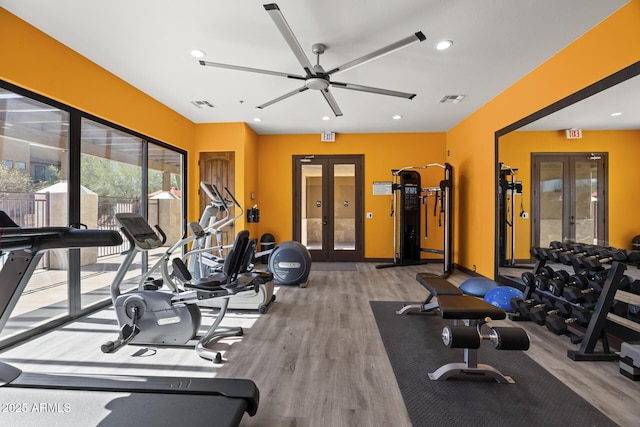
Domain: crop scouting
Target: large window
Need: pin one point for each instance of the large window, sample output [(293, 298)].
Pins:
[(60, 167), (33, 192)]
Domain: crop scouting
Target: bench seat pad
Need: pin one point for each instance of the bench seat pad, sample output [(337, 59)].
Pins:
[(466, 307), (437, 285)]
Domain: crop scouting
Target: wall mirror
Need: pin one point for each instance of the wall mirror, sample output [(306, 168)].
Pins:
[(554, 185)]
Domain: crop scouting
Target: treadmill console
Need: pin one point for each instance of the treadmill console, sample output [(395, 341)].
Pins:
[(136, 227)]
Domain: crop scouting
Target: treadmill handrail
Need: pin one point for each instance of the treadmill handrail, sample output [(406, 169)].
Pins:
[(39, 239)]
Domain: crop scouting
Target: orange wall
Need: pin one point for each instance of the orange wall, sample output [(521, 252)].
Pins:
[(35, 61), (382, 153), (623, 148), (236, 137), (471, 143)]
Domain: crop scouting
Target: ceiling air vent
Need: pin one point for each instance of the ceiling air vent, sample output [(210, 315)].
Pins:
[(202, 104), (453, 99)]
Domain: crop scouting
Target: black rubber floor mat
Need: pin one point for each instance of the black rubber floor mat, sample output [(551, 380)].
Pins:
[(537, 398)]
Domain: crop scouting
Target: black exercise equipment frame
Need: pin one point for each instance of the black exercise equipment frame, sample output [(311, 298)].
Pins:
[(596, 329), (406, 214)]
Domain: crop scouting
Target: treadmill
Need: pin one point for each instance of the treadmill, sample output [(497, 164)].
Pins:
[(41, 399)]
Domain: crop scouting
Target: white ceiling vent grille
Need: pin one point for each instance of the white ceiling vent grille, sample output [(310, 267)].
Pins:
[(452, 99), (202, 104)]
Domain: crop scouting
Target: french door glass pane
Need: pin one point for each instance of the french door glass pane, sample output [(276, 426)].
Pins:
[(586, 186), (344, 207), (311, 206), (551, 199), (33, 192), (111, 182)]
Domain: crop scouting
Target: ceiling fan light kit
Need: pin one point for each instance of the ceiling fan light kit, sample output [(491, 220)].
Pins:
[(316, 78)]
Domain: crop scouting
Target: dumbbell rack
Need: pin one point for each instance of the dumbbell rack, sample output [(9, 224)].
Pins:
[(596, 329), (597, 326)]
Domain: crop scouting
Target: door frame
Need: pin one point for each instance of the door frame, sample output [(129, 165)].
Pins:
[(327, 253), (569, 202)]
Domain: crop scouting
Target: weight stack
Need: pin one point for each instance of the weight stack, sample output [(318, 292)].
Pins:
[(630, 360)]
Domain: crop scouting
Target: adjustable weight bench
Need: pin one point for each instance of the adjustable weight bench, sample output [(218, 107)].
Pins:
[(436, 286), (474, 313)]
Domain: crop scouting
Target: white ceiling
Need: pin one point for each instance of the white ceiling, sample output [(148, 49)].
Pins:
[(147, 43)]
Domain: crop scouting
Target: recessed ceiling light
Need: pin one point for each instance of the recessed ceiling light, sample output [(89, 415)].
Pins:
[(197, 53), (325, 117), (397, 117), (616, 114), (257, 119), (444, 44)]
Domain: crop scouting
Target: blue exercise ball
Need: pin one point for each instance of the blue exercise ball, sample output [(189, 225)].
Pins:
[(501, 296), (478, 286)]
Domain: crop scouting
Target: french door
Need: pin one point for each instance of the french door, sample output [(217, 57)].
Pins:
[(569, 202), (328, 206)]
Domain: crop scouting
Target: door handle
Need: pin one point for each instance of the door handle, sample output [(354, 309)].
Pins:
[(324, 220)]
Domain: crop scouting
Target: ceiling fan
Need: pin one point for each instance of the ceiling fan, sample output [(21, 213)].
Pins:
[(316, 77)]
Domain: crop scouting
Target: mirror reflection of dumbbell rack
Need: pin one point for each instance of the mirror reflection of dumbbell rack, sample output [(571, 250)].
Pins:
[(546, 285)]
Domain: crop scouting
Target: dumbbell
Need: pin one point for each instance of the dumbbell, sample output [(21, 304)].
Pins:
[(556, 286), (567, 249), (604, 257), (536, 253), (523, 307), (546, 253), (502, 338), (562, 275), (578, 280), (633, 257), (558, 324), (539, 314), (528, 277), (541, 283), (553, 285), (539, 311), (587, 295), (633, 311)]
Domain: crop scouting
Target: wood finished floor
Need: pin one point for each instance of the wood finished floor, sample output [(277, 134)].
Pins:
[(316, 356)]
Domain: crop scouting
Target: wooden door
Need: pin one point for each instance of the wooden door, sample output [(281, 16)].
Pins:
[(218, 168)]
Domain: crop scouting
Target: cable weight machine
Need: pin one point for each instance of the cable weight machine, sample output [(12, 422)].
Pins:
[(509, 189), (408, 196)]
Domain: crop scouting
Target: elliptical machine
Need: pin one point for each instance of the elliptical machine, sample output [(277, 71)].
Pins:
[(203, 263), (155, 317), (289, 262)]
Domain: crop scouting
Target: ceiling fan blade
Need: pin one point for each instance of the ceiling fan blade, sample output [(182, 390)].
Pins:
[(332, 102), (285, 96), (251, 70), (289, 37), (370, 89), (401, 44)]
